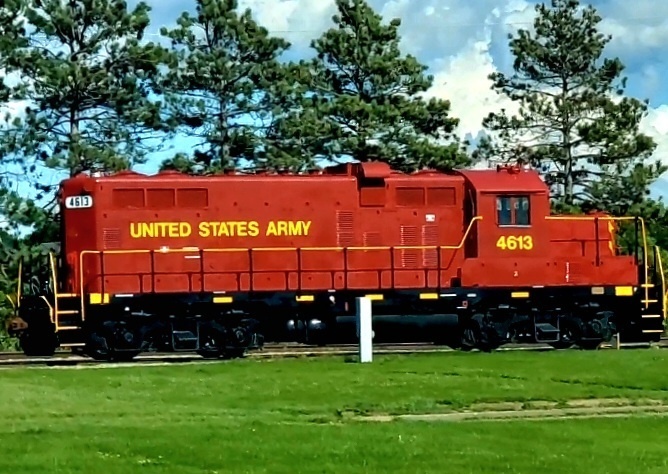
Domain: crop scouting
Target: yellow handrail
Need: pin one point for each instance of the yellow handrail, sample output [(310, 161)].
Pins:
[(663, 282), (262, 249), (462, 242), (54, 280), (19, 284)]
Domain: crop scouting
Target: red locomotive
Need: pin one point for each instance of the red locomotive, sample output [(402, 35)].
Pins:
[(219, 264)]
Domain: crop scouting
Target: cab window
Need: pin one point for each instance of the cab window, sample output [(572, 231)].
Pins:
[(512, 210)]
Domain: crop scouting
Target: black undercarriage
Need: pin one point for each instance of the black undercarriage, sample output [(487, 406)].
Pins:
[(463, 318)]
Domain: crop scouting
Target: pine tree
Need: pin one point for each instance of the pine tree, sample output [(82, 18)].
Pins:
[(12, 36), (85, 75), (361, 99), (573, 123), (223, 84), (11, 31), (81, 69)]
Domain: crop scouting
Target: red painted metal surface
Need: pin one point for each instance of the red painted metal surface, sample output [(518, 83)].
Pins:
[(333, 230), (546, 251)]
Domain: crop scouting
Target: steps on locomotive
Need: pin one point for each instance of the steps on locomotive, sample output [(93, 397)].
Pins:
[(652, 323), (71, 338), (546, 332), (68, 312), (68, 321)]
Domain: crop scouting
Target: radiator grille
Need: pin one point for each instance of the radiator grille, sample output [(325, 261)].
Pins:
[(409, 237), (430, 237), (111, 238), (372, 239), (345, 235)]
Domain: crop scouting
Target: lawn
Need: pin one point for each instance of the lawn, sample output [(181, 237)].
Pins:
[(293, 416)]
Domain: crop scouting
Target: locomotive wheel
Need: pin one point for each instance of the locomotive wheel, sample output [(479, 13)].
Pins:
[(567, 338), (99, 349), (38, 343), (475, 336), (211, 337), (470, 338)]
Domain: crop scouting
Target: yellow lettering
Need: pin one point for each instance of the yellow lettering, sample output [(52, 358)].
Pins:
[(204, 230), (222, 229), (173, 229), (232, 228), (510, 242), (527, 242), (290, 228), (282, 227), (242, 229), (135, 230), (139, 230), (147, 230)]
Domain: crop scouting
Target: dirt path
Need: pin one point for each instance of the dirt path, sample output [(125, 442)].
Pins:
[(538, 410)]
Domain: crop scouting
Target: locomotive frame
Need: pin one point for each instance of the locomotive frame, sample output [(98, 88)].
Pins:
[(227, 323)]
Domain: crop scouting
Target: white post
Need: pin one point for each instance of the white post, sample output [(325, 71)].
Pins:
[(364, 329)]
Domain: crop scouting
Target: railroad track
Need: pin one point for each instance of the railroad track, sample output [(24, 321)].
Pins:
[(270, 351)]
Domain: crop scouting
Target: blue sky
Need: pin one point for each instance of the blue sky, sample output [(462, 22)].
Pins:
[(462, 41)]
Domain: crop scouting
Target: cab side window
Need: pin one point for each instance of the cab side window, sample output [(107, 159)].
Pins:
[(513, 210)]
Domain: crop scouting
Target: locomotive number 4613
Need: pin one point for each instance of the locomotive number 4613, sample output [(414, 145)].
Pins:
[(512, 242), (78, 202)]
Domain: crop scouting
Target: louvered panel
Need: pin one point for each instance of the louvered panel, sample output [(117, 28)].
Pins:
[(409, 237), (372, 239), (430, 237), (111, 238), (345, 233), (574, 273)]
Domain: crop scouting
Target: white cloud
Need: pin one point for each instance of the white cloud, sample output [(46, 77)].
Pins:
[(464, 41), (655, 124), (453, 37), (10, 110), (463, 79), (298, 21), (635, 25)]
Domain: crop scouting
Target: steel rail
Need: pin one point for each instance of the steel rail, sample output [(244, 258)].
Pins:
[(279, 352)]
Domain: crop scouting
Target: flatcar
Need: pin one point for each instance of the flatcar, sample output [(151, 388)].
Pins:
[(221, 264)]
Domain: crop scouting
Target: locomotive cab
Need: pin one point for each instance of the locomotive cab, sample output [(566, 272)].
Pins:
[(514, 204)]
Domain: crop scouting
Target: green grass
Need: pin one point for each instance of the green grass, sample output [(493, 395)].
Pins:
[(294, 416)]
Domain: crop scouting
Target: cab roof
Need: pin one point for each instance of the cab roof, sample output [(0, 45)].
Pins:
[(505, 179)]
